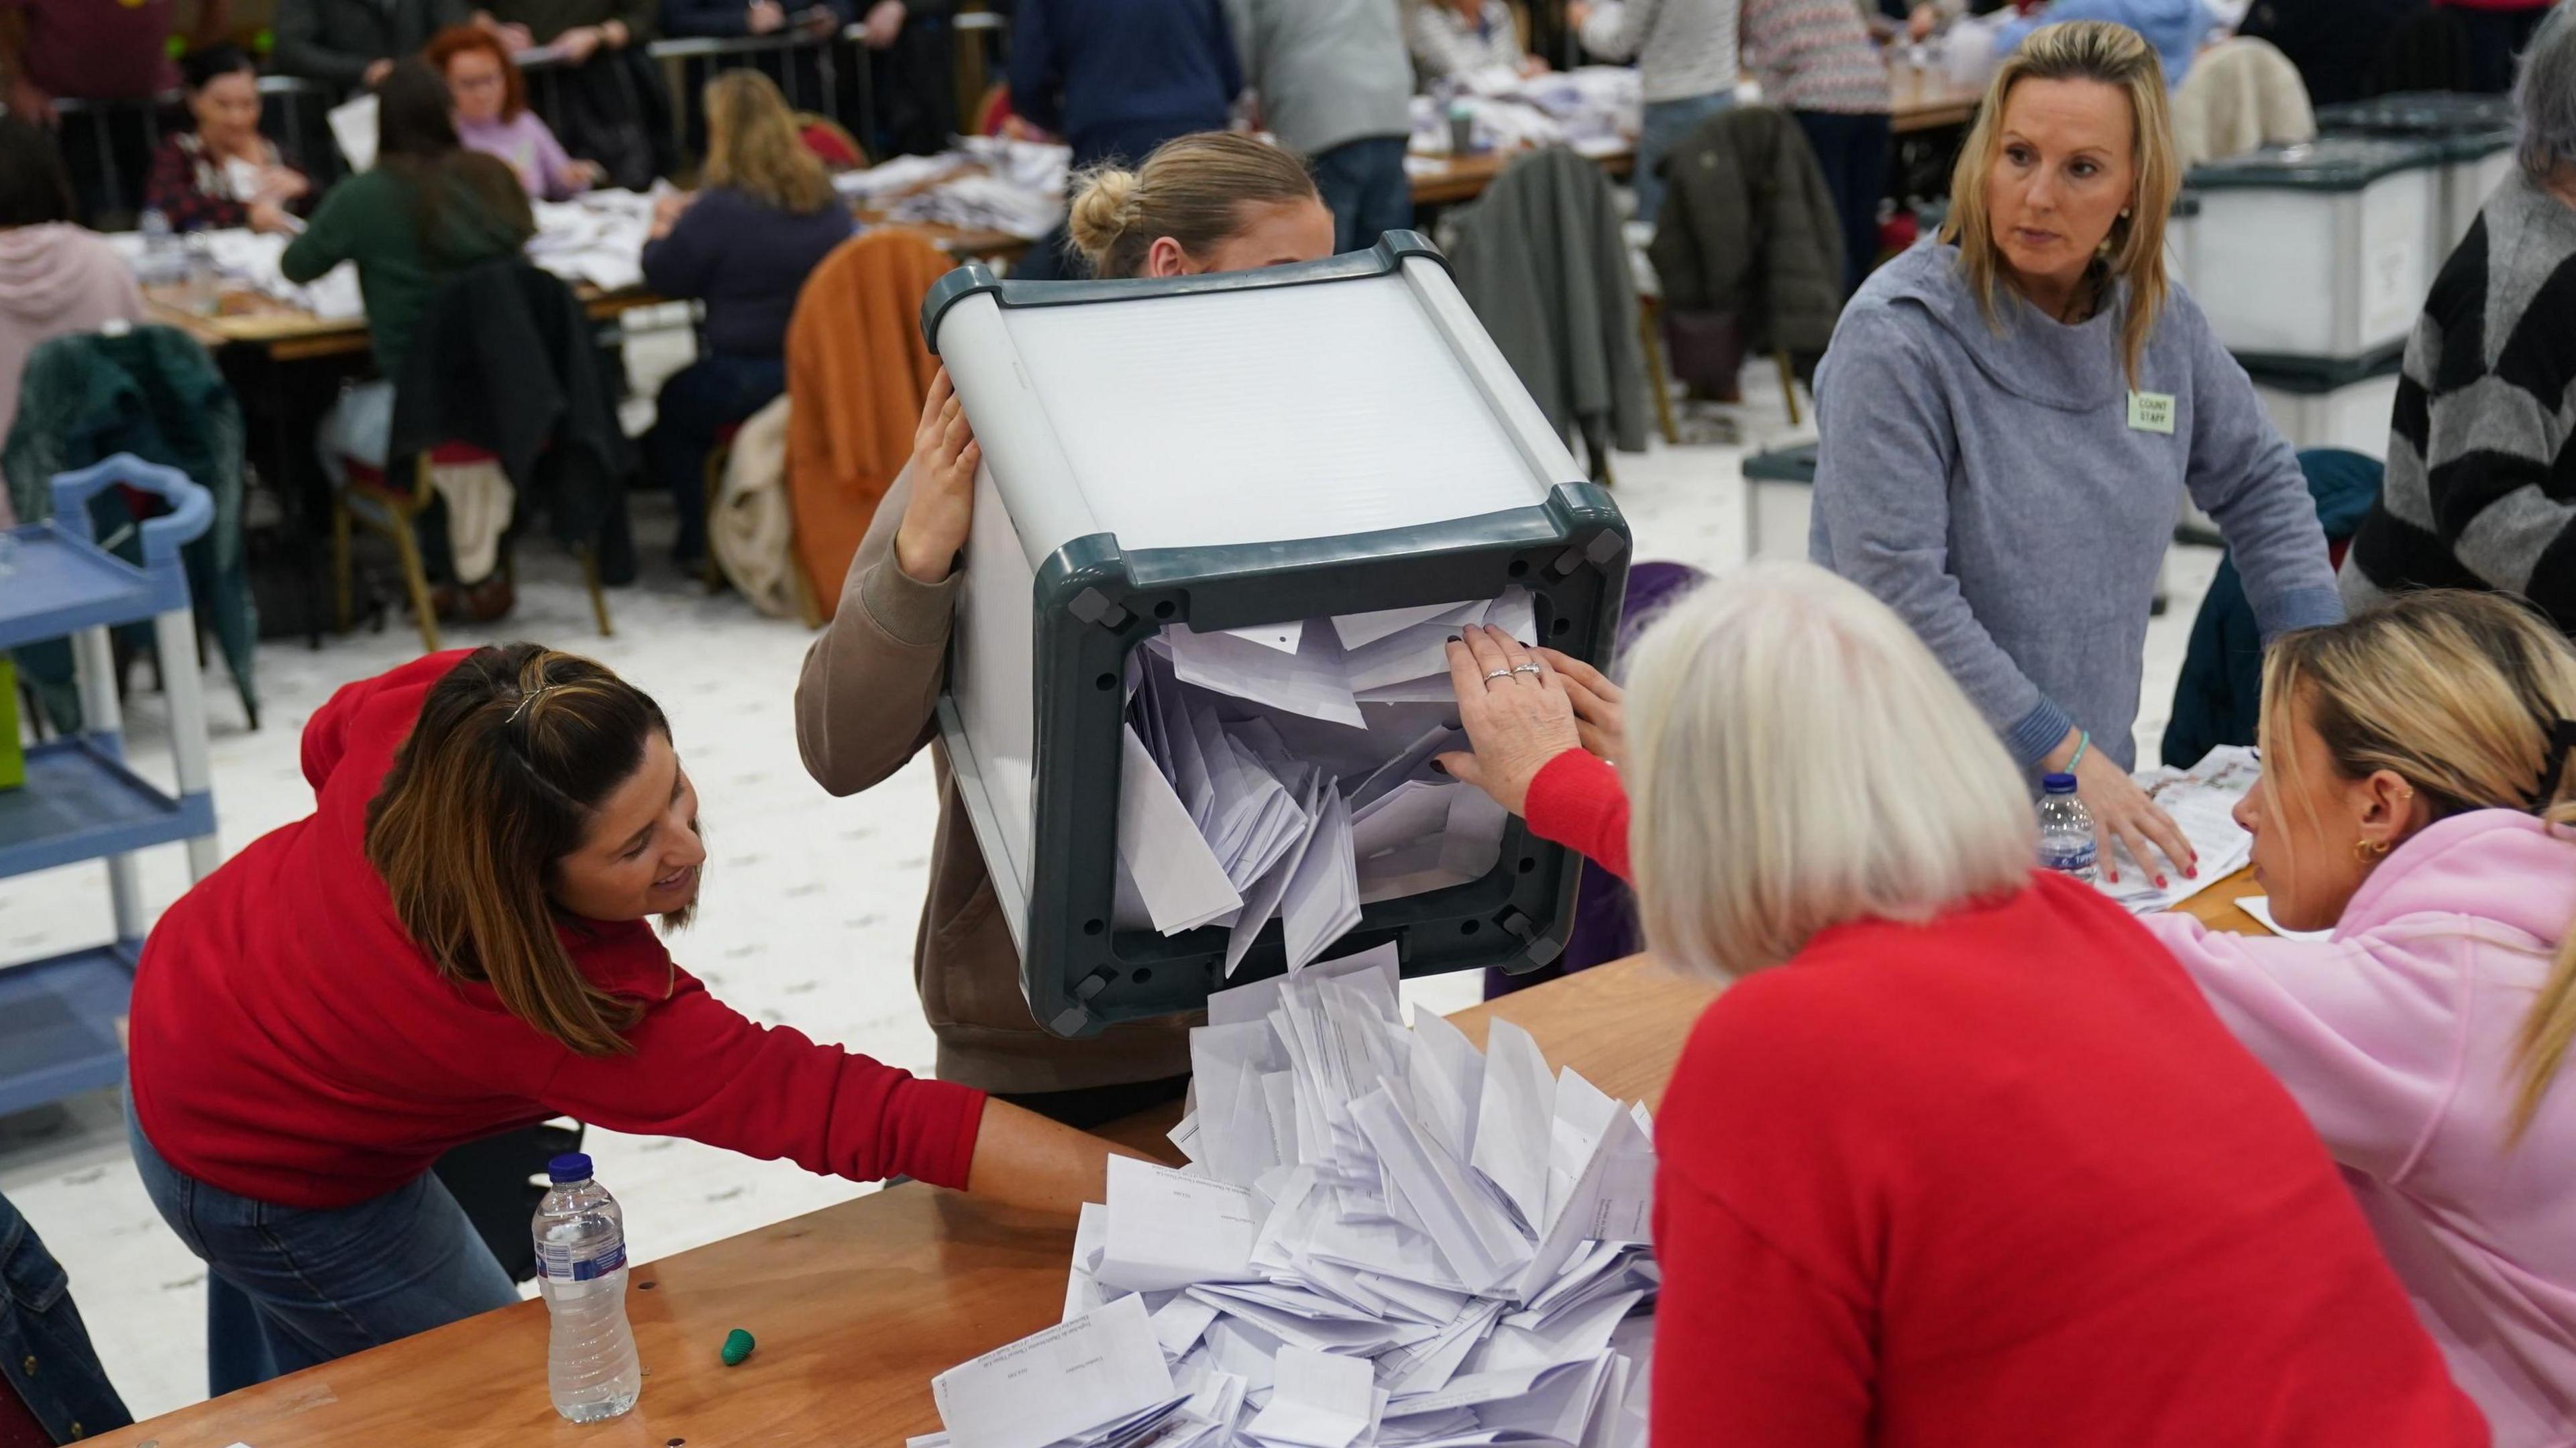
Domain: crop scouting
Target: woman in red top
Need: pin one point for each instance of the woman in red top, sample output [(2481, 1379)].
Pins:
[(1961, 1156), (456, 943)]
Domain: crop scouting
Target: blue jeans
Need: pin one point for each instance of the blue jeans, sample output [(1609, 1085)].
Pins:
[(1667, 124), (290, 1287), (1852, 152), (696, 405), (1363, 181), (45, 1356)]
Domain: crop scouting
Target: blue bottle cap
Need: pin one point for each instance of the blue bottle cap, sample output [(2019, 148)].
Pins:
[(2057, 783), (572, 1166)]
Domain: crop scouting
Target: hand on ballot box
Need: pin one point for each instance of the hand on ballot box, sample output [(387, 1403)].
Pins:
[(1516, 710)]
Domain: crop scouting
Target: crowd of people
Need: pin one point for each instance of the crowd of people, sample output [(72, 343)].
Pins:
[(1964, 1153)]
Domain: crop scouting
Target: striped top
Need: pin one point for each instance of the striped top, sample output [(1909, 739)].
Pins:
[(1814, 55), (1684, 49)]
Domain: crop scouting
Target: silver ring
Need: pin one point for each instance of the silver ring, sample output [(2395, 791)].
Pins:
[(1527, 669), (1498, 674)]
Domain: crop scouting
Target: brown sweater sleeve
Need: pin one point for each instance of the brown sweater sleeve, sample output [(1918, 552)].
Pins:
[(864, 700)]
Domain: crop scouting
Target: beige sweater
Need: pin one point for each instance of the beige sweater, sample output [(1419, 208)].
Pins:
[(863, 709)]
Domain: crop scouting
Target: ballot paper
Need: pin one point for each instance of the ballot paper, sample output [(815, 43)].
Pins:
[(1338, 1267), (1282, 772), (2202, 801), (353, 129)]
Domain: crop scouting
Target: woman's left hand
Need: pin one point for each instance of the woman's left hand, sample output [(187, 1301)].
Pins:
[(1516, 713), (268, 216), (282, 184), (1600, 706)]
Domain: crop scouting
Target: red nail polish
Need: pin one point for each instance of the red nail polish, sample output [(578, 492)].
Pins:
[(2160, 882)]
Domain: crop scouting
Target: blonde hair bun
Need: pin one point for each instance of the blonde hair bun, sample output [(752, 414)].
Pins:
[(1103, 203)]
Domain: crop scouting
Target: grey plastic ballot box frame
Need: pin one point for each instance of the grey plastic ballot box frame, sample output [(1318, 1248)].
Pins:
[(1093, 602)]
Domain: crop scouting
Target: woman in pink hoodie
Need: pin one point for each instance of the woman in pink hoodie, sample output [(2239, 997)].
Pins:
[(2417, 798), (56, 278)]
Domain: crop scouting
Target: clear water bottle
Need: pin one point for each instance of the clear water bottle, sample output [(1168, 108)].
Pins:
[(591, 1368), (2066, 842), (161, 259)]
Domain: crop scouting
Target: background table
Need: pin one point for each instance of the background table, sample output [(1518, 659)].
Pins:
[(1923, 98), (855, 1306)]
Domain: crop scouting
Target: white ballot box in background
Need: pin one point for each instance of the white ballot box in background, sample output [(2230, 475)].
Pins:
[(1224, 528), (2333, 404), (2316, 251), (2473, 133)]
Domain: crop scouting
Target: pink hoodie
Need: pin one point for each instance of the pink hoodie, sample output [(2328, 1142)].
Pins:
[(2397, 1037)]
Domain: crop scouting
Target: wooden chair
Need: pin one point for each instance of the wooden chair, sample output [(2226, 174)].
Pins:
[(372, 498)]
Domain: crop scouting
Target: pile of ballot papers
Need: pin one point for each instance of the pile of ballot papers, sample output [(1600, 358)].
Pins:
[(1285, 771), (2202, 801), (1595, 110), (986, 183), (1384, 1237), (597, 237)]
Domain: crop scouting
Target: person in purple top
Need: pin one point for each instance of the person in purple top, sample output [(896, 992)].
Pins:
[(492, 114)]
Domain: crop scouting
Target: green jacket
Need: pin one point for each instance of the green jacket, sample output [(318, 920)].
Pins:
[(374, 219)]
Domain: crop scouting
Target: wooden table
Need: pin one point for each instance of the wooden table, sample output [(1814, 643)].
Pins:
[(291, 334), (856, 1307), (1922, 98), (1464, 178)]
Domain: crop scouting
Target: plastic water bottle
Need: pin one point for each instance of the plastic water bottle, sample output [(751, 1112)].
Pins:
[(2065, 829), (591, 1369), (161, 261)]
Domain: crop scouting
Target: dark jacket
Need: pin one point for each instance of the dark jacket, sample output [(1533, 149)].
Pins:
[(375, 219), (1748, 227), (152, 392), (505, 359), (1542, 261), (49, 1359), (334, 41), (1120, 77), (731, 19), (747, 260)]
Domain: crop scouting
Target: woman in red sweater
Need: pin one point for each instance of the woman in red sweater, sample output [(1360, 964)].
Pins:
[(456, 943), (1961, 1156)]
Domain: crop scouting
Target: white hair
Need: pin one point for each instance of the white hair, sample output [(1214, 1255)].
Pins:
[(2544, 99), (1799, 759)]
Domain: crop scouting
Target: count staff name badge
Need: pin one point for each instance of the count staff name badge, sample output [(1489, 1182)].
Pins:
[(2151, 412)]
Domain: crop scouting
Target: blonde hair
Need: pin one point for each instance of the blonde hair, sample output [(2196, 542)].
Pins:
[(1191, 189), (1799, 759), (2116, 56), (753, 147), (2455, 693)]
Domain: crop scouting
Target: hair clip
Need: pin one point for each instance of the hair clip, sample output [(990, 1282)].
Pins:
[(530, 697)]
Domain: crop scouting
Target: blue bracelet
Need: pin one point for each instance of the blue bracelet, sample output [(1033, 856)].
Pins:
[(2083, 741)]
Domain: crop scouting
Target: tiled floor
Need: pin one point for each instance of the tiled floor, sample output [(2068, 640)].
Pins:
[(808, 912)]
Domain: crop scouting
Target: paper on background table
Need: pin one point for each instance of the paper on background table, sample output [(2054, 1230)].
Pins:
[(353, 129), (2260, 907), (1102, 1366)]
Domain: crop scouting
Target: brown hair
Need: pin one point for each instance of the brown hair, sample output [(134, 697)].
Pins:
[(2458, 694), (513, 750), (1192, 189), (753, 147), (455, 40), (2116, 56)]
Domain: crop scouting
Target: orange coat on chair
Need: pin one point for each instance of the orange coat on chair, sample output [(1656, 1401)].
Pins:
[(857, 370)]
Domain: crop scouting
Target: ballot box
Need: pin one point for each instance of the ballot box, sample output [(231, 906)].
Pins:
[(1779, 497), (1224, 527), (2473, 133), (2316, 252), (2345, 405)]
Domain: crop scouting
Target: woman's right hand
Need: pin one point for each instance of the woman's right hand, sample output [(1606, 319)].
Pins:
[(2124, 815), (944, 458)]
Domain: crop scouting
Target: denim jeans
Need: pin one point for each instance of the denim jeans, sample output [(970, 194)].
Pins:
[(1363, 181), (1852, 151), (696, 405), (1667, 124), (44, 1351), (290, 1287)]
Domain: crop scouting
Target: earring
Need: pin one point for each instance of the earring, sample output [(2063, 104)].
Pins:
[(2370, 852)]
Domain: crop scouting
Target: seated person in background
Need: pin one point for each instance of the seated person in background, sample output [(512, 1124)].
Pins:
[(492, 114), (2417, 800), (1455, 38), (763, 218), (224, 173), (605, 97), (1959, 1156), (471, 947), (2484, 446), (349, 43), (56, 278), (2176, 28), (428, 209)]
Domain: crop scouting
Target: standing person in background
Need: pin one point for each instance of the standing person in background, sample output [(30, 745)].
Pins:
[(1686, 64), (88, 51), (1816, 62), (763, 219), (1116, 79), (2483, 446), (2498, 30), (345, 44), (492, 114), (2012, 413), (1456, 38), (1334, 84), (910, 60), (57, 277), (224, 173), (733, 20), (1208, 203), (606, 98)]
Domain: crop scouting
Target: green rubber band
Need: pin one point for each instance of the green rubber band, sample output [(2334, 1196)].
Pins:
[(2083, 741)]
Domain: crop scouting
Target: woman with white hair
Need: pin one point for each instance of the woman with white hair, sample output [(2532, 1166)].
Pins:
[(1960, 1155), (2484, 445)]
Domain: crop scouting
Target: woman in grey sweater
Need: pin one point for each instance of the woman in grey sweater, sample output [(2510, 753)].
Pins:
[(2013, 412)]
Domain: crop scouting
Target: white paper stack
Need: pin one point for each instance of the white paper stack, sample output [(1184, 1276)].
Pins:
[(1594, 109), (597, 237), (987, 182), (1384, 1238), (1284, 772), (2202, 801)]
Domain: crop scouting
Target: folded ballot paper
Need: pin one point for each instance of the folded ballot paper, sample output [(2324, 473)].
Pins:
[(1284, 772), (2202, 801), (1384, 1237)]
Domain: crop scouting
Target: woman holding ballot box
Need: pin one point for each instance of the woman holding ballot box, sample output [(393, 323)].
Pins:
[(458, 941), (2417, 801), (1960, 1155), (1201, 203), (2013, 413)]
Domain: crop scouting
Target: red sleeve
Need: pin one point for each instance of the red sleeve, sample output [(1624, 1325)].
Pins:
[(1578, 801), (700, 1070), (326, 734)]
